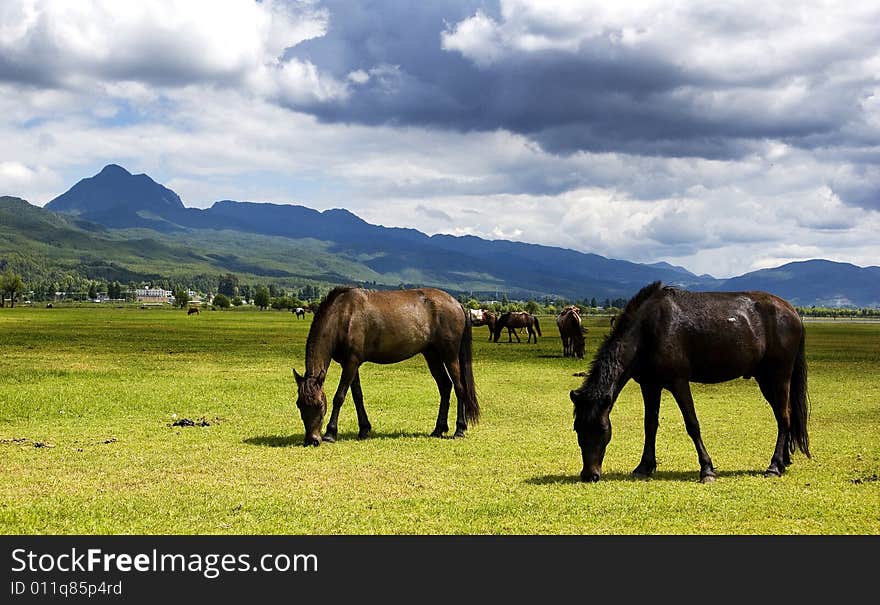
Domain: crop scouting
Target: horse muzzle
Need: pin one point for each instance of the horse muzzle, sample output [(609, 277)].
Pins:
[(588, 476), (311, 440)]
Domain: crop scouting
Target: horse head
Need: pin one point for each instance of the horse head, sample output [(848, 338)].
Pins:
[(312, 404), (592, 422), (500, 322)]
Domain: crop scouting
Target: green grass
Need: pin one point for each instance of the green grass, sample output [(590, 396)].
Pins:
[(99, 388)]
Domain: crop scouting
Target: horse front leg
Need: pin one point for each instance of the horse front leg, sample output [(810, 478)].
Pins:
[(349, 371), (364, 426), (648, 464), (681, 390)]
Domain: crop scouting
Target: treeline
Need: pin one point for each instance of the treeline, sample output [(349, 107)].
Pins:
[(841, 312), (547, 305), (24, 280), (587, 306), (273, 295)]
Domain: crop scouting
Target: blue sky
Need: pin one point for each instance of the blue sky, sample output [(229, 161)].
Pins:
[(723, 137)]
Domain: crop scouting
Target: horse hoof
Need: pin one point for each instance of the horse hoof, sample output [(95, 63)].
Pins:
[(772, 472), (328, 439), (642, 476), (363, 434), (458, 434), (707, 479)]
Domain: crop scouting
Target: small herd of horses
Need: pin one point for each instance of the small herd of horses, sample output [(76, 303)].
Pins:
[(665, 338)]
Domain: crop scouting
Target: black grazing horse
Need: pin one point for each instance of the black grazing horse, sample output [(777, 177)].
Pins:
[(353, 326), (666, 338), (512, 320)]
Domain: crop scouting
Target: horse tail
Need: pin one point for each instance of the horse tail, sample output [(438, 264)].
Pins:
[(537, 325), (799, 402), (466, 367)]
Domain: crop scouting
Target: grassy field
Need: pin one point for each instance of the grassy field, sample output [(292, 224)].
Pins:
[(87, 446)]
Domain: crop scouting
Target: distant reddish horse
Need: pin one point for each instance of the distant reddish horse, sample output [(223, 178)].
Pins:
[(483, 317), (571, 331), (193, 311)]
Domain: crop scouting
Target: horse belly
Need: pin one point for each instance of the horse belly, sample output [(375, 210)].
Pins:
[(393, 347), (725, 359), (393, 355)]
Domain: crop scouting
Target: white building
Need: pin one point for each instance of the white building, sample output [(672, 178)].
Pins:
[(154, 295)]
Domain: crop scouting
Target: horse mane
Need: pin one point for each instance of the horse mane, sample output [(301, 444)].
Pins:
[(625, 317), (605, 367), (328, 300)]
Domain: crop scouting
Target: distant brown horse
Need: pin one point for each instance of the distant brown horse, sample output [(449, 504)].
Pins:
[(512, 320), (193, 311), (571, 331), (353, 326), (482, 317), (667, 338)]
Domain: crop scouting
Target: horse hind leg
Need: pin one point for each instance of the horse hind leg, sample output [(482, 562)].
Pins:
[(444, 385), (776, 392), (454, 369)]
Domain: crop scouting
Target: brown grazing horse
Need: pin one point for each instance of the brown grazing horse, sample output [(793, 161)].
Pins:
[(353, 326), (482, 317), (666, 338), (193, 311), (512, 320), (571, 331)]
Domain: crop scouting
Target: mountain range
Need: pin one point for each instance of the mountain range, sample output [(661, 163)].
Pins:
[(124, 226)]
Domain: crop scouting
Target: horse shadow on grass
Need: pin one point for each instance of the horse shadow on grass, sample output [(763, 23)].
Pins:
[(686, 476), (296, 440)]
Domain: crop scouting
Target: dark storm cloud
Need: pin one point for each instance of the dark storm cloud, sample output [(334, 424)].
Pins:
[(601, 96), (859, 185)]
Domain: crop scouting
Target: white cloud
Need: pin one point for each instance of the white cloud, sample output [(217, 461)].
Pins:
[(163, 42), (478, 38), (740, 42)]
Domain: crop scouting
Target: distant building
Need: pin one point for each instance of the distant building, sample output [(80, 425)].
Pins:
[(154, 295)]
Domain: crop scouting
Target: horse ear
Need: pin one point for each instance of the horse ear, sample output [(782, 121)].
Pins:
[(299, 379)]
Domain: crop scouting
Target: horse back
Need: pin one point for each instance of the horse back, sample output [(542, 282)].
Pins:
[(392, 325), (718, 336)]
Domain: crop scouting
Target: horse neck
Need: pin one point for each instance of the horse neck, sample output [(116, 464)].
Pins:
[(612, 366), (319, 347)]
